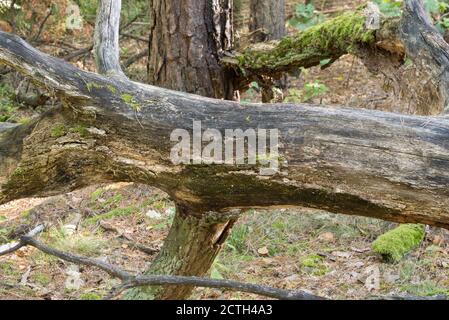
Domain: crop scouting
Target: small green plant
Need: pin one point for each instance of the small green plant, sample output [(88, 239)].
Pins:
[(425, 288), (435, 8), (131, 102), (313, 89), (251, 92), (58, 131), (237, 240), (76, 243), (308, 92), (305, 16)]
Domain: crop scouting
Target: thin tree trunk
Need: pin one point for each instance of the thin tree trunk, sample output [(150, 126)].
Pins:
[(267, 22), (187, 39)]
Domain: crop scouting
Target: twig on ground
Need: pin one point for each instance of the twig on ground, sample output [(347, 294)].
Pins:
[(130, 281)]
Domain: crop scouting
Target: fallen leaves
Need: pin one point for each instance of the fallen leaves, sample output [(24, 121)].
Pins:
[(326, 237), (372, 282)]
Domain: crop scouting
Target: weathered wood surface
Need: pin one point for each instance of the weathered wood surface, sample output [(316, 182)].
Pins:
[(342, 160)]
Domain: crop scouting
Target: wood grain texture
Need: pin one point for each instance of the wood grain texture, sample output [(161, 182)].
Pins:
[(359, 162)]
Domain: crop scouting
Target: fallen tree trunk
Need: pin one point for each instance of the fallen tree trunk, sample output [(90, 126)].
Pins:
[(342, 160)]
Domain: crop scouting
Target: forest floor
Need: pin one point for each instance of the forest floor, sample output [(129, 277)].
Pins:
[(323, 253)]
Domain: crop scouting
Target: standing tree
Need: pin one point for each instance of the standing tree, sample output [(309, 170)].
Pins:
[(267, 19), (187, 40), (349, 161), (267, 22)]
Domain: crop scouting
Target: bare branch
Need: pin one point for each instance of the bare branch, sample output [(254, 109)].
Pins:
[(130, 281)]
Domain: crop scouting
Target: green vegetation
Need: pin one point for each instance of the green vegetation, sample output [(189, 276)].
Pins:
[(81, 130), (310, 91), (97, 194), (90, 296), (435, 8), (118, 212), (131, 102), (314, 264), (331, 38), (8, 106), (7, 268), (76, 243), (305, 16), (130, 9), (396, 243), (58, 131), (424, 288), (237, 239), (41, 278)]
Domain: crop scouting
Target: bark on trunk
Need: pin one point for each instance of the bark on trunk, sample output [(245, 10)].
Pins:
[(187, 39), (267, 22), (359, 162), (189, 250)]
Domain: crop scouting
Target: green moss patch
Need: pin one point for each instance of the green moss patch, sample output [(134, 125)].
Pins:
[(58, 131), (332, 38), (131, 102), (397, 243)]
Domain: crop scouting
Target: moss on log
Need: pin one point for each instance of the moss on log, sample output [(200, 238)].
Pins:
[(397, 243), (328, 40)]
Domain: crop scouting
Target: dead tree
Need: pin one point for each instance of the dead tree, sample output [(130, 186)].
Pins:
[(109, 129)]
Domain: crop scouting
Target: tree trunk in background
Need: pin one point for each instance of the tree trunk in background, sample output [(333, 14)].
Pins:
[(187, 39), (267, 22)]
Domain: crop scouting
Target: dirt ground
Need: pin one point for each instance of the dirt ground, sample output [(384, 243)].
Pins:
[(325, 254)]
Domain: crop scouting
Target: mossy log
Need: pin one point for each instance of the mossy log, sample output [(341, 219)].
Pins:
[(347, 33), (397, 243)]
